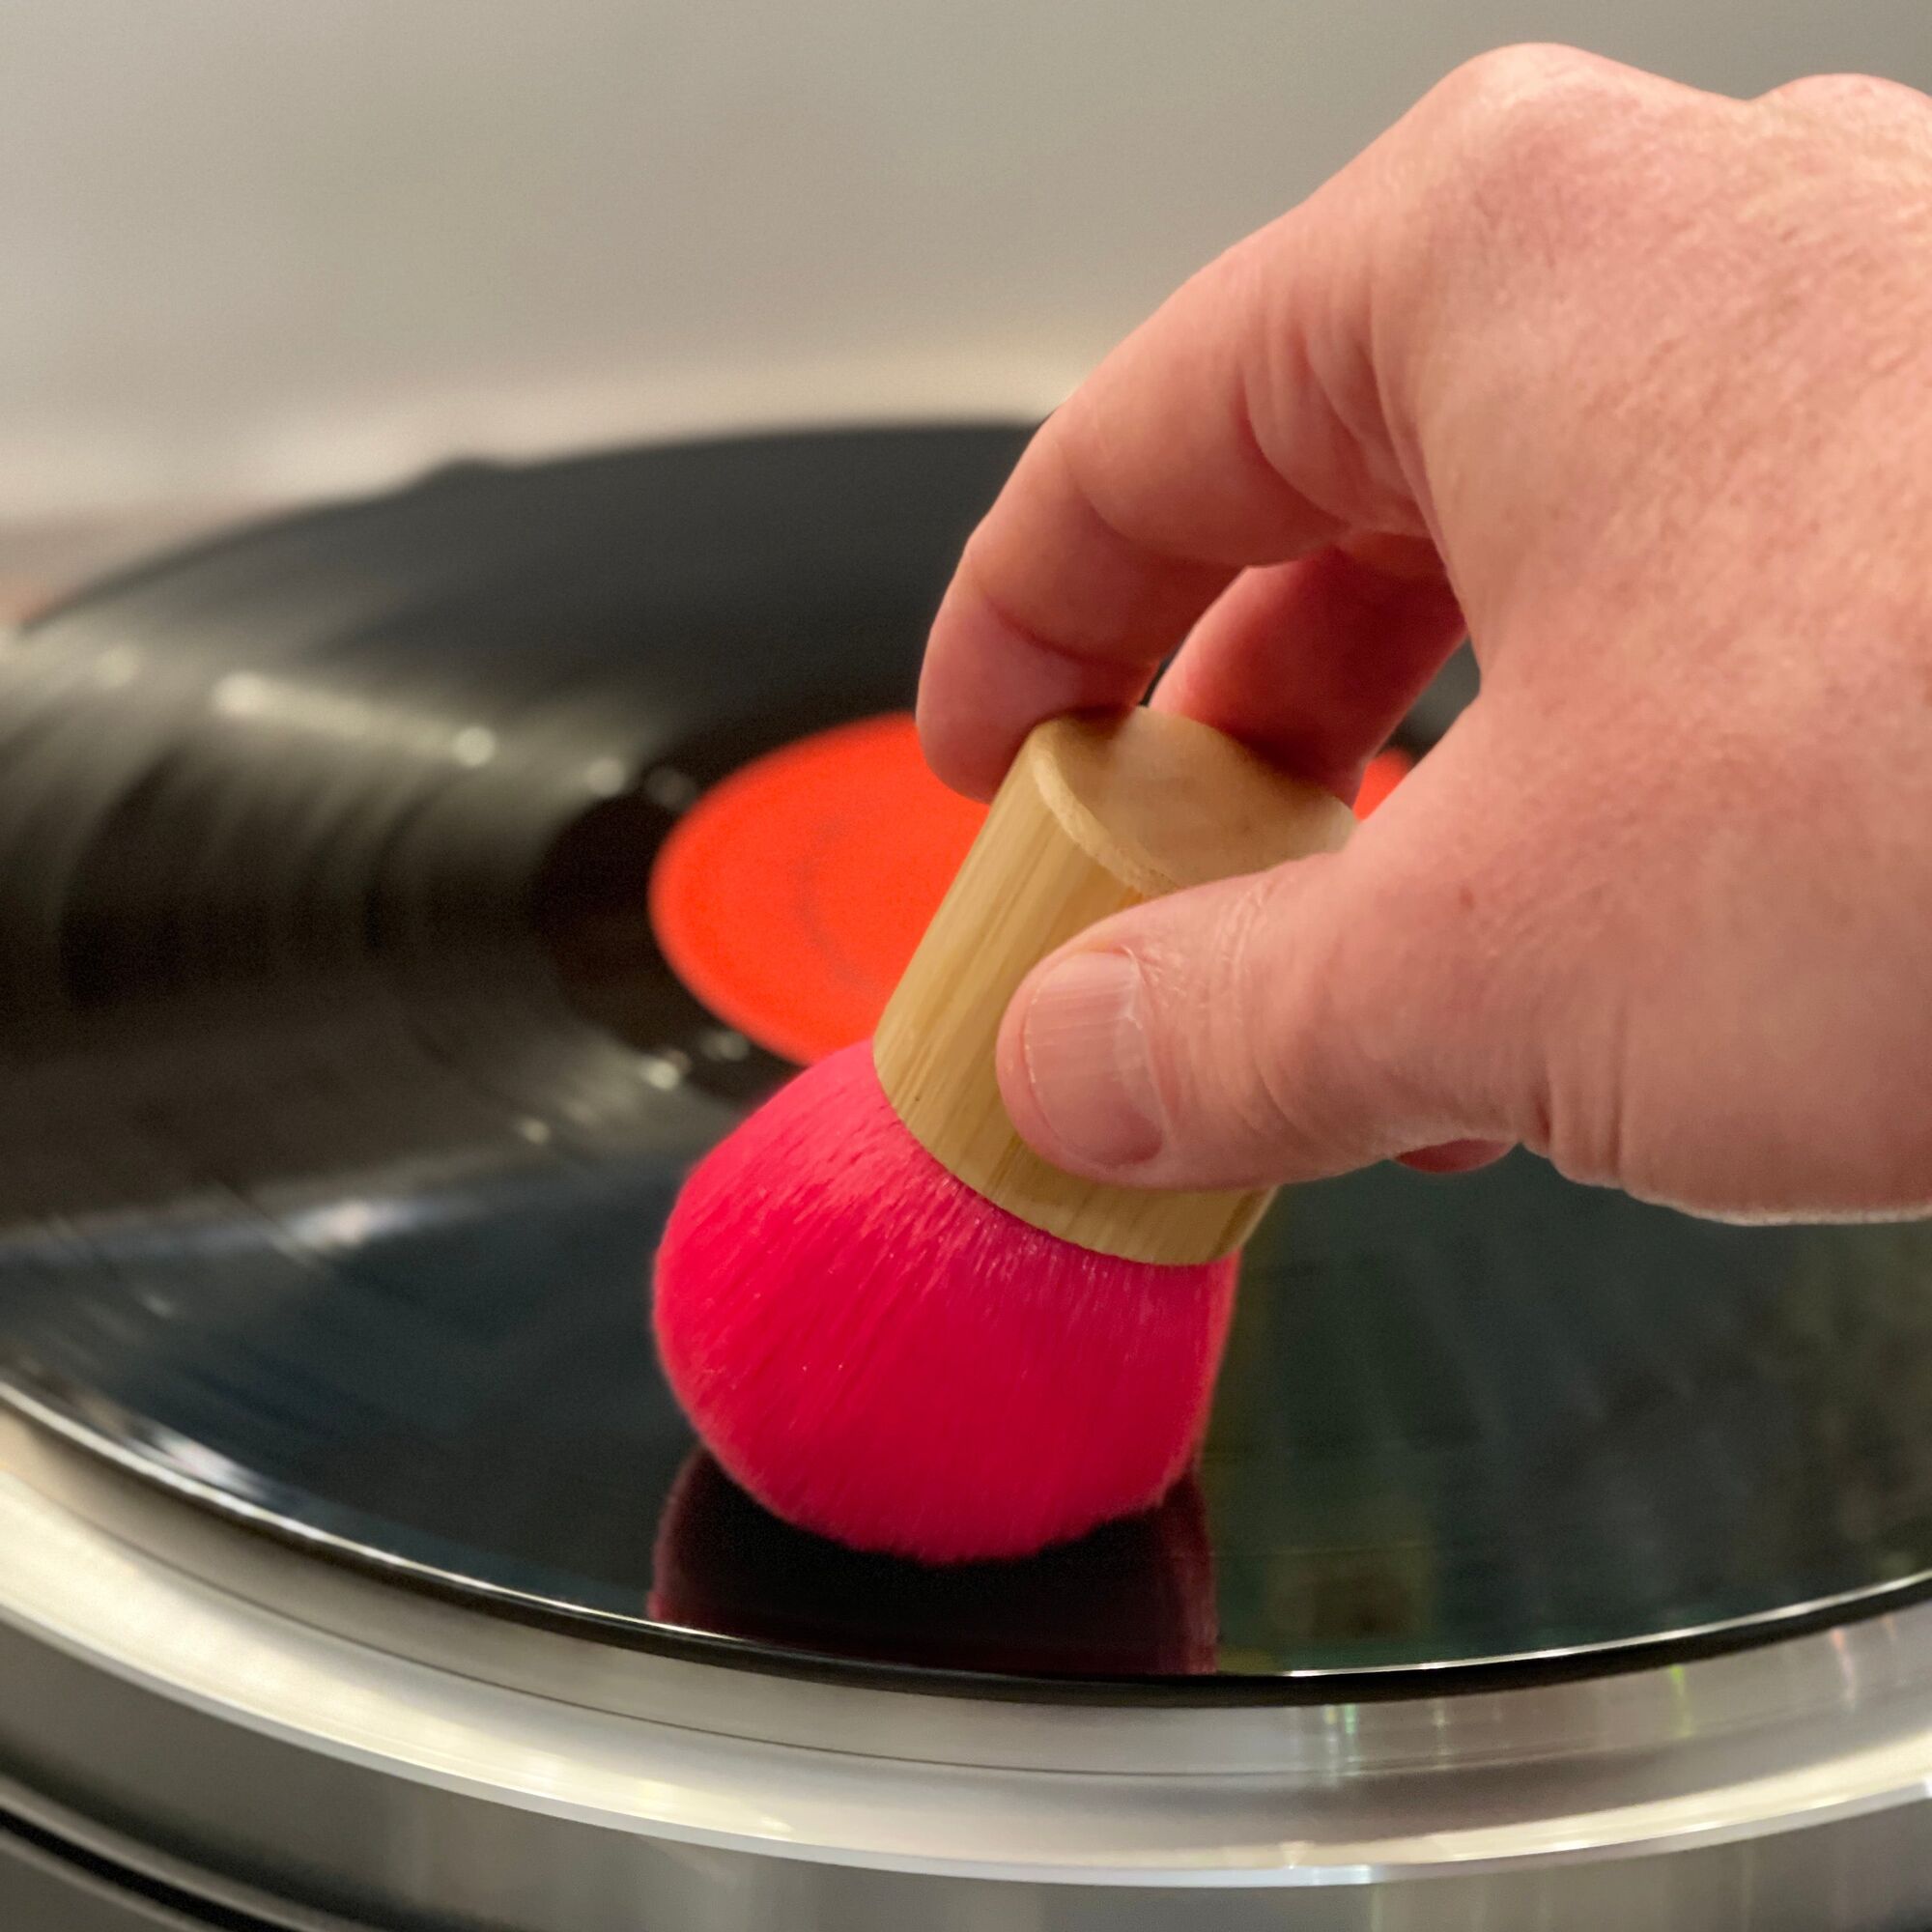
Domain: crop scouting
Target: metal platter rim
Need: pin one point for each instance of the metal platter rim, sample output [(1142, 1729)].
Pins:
[(1552, 1666), (1843, 1731)]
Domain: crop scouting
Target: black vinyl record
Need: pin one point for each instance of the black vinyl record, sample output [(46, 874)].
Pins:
[(343, 1093)]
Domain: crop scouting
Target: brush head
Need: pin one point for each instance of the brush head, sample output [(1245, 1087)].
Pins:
[(880, 1354)]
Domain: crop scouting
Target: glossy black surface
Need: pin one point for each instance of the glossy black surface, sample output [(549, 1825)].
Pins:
[(342, 1095)]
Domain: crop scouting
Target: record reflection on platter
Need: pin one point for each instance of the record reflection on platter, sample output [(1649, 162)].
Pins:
[(347, 1084)]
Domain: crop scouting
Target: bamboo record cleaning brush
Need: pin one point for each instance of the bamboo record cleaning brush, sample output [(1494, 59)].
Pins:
[(889, 1319)]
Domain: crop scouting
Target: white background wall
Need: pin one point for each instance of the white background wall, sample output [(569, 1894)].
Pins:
[(279, 246)]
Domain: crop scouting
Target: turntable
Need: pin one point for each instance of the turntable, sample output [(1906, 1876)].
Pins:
[(379, 945)]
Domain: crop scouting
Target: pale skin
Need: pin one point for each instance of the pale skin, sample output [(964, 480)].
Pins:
[(1634, 382)]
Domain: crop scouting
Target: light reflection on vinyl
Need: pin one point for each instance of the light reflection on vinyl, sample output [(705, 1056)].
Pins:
[(346, 1088)]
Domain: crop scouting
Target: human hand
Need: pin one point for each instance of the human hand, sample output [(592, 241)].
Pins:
[(1637, 380)]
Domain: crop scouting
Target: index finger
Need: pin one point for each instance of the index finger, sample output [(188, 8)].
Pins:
[(1242, 425)]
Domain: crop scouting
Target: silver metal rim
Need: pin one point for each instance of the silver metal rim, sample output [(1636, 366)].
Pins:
[(176, 1613), (187, 1890)]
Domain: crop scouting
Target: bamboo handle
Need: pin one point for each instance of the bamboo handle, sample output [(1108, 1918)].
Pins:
[(1096, 814)]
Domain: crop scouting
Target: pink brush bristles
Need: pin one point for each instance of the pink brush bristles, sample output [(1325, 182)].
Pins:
[(878, 1353)]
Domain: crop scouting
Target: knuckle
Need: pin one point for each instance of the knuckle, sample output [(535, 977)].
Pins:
[(1832, 91), (1217, 1046), (1577, 1115), (1277, 966), (1527, 132), (1527, 94), (1255, 1036)]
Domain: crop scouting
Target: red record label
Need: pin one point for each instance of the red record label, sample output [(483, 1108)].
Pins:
[(790, 897)]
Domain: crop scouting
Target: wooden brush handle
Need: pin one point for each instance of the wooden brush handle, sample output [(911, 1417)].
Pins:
[(1096, 814)]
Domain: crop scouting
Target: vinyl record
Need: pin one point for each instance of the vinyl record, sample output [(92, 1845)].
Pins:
[(394, 900)]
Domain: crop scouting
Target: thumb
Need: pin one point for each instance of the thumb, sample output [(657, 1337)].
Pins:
[(1338, 1011)]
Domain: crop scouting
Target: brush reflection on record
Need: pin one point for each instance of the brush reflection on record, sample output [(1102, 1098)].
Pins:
[(1134, 1599)]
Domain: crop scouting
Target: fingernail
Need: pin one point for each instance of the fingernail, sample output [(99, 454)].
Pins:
[(1087, 1058)]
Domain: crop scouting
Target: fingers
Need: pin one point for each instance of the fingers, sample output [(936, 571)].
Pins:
[(1276, 406), (1315, 662), (1340, 1010), (1240, 426)]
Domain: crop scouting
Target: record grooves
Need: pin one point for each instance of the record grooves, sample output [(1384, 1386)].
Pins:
[(344, 1089)]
